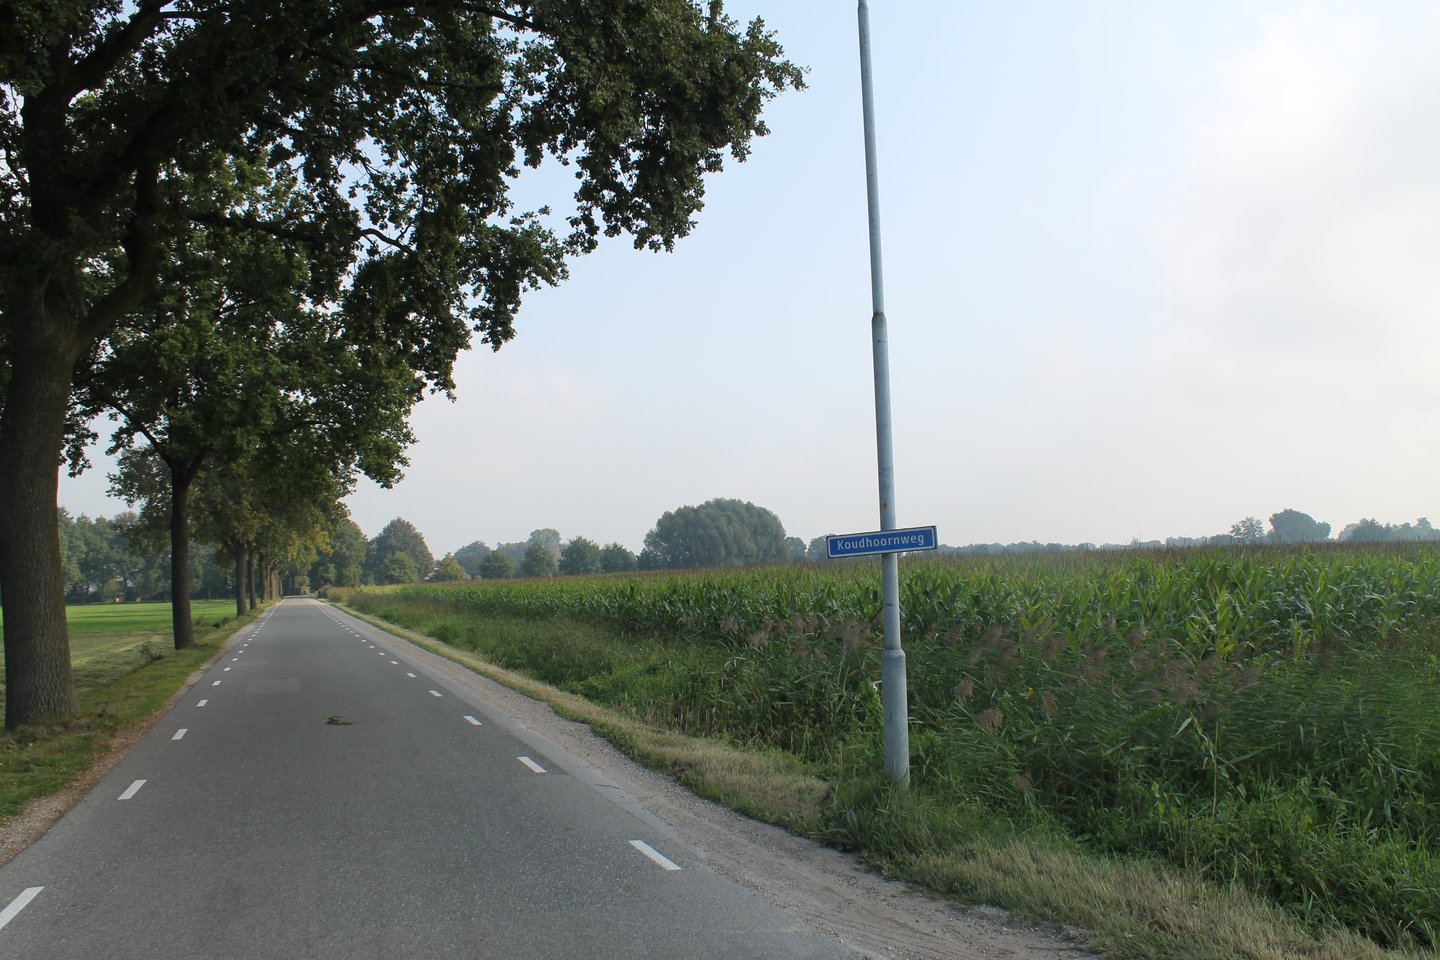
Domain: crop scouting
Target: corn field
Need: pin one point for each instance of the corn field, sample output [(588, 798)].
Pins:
[(1266, 717)]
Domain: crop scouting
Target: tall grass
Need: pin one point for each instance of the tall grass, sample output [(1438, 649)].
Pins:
[(1265, 717)]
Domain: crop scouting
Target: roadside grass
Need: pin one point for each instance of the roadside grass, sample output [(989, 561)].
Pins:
[(1131, 906), (125, 670)]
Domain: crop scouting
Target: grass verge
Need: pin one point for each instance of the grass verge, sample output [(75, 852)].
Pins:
[(122, 681), (1132, 907)]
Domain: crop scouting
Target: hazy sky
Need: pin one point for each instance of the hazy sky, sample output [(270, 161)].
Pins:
[(1150, 268)]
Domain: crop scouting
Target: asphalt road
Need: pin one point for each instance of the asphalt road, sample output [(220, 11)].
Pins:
[(319, 795)]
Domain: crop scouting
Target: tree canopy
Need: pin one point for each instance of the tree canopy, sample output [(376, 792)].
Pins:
[(717, 533)]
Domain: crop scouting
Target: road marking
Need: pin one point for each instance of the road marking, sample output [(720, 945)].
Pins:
[(226, 670), (133, 789), (180, 734), (18, 904), (654, 854), (215, 684), (436, 693), (410, 675), (531, 764), (395, 663), (472, 721), (234, 659)]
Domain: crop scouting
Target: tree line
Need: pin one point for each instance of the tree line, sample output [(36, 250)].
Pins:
[(254, 233)]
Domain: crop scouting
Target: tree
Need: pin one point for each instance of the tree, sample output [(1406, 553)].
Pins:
[(796, 546), (449, 569), (1292, 526), (539, 561), (399, 536), (818, 549), (341, 562), (404, 121), (718, 533), (1247, 532), (497, 566), (616, 558), (470, 557), (231, 350), (580, 556)]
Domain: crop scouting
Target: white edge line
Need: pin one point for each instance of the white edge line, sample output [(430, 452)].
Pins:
[(531, 764), (654, 854), (180, 733), (471, 720), (18, 904), (133, 789)]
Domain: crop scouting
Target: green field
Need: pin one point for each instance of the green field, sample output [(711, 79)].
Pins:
[(1263, 720), (125, 668)]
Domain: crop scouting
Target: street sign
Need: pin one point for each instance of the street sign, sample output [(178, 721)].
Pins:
[(881, 541)]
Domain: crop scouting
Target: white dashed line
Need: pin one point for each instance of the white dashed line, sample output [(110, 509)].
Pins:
[(395, 663), (472, 721), (133, 789), (18, 904), (659, 858), (531, 764), (436, 693), (215, 684), (226, 670), (410, 675), (180, 734), (202, 703)]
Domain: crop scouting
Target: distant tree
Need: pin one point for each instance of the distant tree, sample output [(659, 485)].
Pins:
[(1292, 526), (449, 569), (817, 550), (471, 555), (341, 563), (649, 560), (1368, 530), (796, 547), (398, 567), (1247, 532), (399, 536), (539, 561), (616, 558), (497, 566), (718, 533), (580, 556), (547, 537)]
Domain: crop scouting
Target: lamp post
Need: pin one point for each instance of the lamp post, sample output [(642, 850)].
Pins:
[(893, 692)]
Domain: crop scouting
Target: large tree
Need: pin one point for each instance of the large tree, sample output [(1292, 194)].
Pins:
[(717, 533), (399, 538), (403, 120), (1292, 526)]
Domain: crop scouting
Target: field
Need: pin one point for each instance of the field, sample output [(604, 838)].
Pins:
[(125, 667), (1263, 720)]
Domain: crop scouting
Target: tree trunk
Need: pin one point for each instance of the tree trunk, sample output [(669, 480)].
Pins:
[(181, 622), (239, 554), (39, 685), (250, 580)]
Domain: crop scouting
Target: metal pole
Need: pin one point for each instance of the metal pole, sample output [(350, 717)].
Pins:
[(892, 660)]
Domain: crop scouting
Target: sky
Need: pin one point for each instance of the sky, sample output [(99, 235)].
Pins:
[(1150, 268)]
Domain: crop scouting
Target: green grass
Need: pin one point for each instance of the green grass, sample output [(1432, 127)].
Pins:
[(125, 670), (1252, 723)]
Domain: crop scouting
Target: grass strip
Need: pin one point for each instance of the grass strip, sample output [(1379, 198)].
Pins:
[(1131, 907)]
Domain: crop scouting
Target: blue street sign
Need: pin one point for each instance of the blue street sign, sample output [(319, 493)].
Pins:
[(881, 541)]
